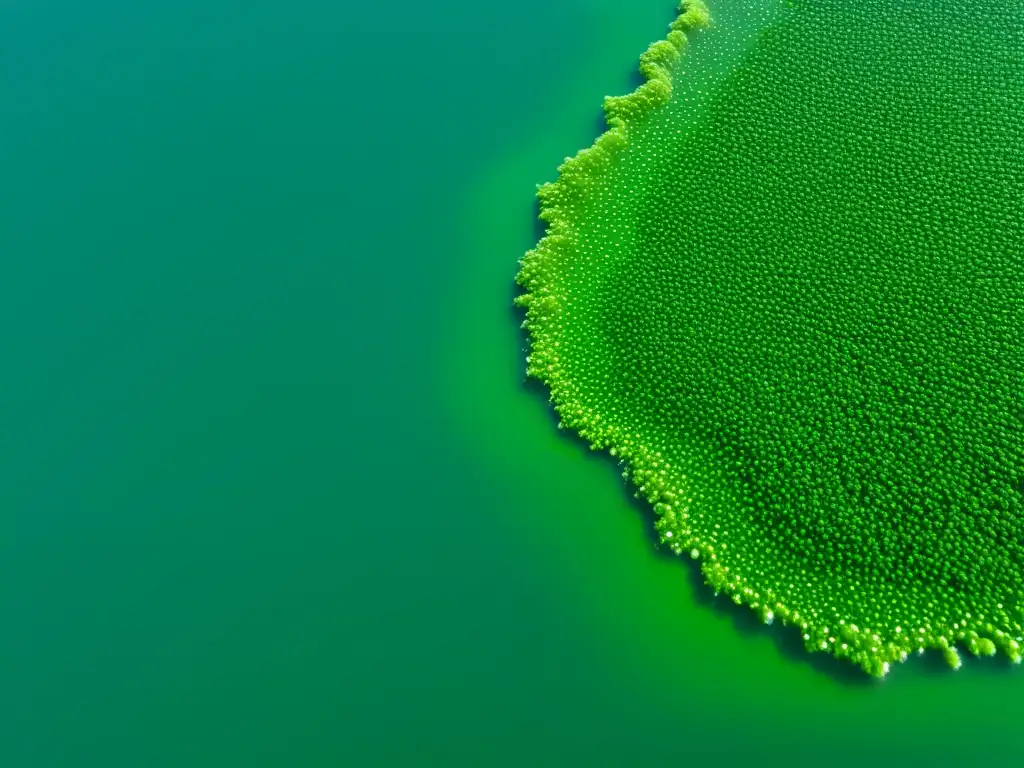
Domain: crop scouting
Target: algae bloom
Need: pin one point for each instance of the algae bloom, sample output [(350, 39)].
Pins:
[(785, 290)]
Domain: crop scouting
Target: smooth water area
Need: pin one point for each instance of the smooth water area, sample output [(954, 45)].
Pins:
[(274, 490)]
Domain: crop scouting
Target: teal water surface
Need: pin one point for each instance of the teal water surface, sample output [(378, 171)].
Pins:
[(274, 490)]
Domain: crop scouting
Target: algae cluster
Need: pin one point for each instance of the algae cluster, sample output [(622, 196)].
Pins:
[(790, 301)]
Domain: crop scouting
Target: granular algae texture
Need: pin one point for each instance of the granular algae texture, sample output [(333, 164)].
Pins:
[(785, 290)]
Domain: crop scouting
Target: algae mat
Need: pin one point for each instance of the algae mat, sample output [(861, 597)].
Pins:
[(787, 298), (274, 492)]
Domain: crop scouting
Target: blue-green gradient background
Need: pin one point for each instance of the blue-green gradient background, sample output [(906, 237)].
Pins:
[(273, 490)]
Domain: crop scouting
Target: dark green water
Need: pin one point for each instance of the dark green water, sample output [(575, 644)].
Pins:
[(273, 490)]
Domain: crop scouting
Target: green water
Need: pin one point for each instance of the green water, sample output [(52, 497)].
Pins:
[(273, 491)]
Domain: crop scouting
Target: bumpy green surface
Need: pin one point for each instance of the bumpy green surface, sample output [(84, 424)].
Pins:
[(792, 307)]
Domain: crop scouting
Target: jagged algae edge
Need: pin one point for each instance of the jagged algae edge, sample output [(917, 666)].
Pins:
[(646, 468), (543, 312), (558, 245)]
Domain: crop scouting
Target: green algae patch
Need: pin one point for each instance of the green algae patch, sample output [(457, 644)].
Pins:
[(789, 300)]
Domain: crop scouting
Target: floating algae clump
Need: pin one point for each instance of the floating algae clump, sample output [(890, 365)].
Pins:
[(785, 290)]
